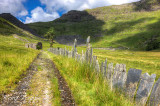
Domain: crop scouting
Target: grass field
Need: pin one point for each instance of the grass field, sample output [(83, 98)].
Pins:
[(14, 61), (13, 51), (147, 61)]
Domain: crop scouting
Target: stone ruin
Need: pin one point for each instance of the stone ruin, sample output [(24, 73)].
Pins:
[(30, 45), (34, 45), (138, 87)]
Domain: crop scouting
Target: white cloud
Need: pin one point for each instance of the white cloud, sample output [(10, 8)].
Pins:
[(52, 6), (66, 5), (14, 7), (39, 15), (23, 13)]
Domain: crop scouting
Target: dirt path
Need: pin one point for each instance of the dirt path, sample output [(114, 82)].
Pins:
[(40, 92), (35, 89)]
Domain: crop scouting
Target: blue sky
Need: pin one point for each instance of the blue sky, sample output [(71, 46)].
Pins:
[(29, 11), (30, 5)]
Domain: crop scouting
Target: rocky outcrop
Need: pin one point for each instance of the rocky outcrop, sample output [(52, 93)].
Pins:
[(75, 16), (147, 5)]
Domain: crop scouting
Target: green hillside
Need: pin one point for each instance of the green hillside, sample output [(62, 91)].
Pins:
[(130, 25), (7, 28)]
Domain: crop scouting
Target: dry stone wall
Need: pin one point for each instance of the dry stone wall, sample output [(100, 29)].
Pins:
[(31, 45), (139, 88)]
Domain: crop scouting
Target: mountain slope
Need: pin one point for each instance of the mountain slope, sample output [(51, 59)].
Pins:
[(129, 25), (16, 22), (7, 28)]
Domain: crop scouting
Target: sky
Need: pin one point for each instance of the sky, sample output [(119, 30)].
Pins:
[(29, 11)]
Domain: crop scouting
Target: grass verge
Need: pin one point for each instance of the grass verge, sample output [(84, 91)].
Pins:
[(56, 93), (87, 88)]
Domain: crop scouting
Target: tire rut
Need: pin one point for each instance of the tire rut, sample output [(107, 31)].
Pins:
[(66, 95)]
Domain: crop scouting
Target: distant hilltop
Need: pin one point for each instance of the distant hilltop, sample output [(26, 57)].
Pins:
[(75, 16)]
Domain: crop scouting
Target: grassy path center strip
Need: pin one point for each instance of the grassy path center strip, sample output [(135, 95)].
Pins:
[(40, 92)]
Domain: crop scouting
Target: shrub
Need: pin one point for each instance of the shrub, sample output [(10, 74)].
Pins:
[(39, 45), (153, 44)]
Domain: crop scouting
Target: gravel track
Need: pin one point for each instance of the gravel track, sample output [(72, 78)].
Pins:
[(19, 97)]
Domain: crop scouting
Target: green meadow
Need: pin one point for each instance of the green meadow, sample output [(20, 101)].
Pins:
[(147, 61)]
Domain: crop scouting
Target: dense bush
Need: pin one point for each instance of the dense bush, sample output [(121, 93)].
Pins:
[(39, 45), (153, 44)]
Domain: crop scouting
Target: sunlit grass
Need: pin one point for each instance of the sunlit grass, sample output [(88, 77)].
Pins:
[(87, 88), (55, 87), (14, 61), (147, 61)]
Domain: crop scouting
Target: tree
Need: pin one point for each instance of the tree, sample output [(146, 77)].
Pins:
[(50, 35)]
